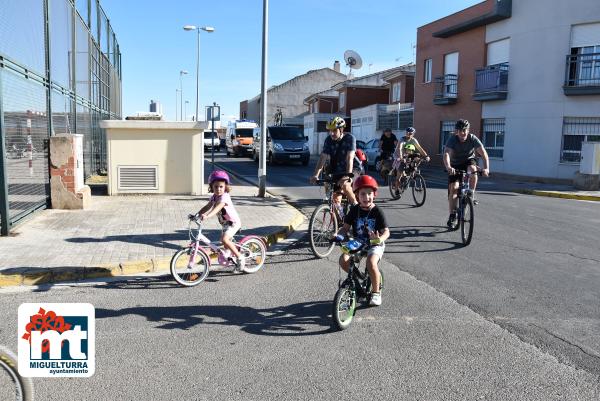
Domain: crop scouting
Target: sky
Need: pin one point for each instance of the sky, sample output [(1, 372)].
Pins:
[(303, 35)]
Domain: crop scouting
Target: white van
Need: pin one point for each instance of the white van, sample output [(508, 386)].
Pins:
[(238, 140)]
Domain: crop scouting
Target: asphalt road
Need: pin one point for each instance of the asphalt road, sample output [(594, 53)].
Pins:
[(269, 336), (533, 266)]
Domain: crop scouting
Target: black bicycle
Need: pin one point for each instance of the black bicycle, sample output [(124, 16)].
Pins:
[(357, 285), (412, 178), (13, 386), (465, 214), (327, 217)]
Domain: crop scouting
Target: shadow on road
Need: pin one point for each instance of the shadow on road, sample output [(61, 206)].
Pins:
[(413, 237), (301, 319)]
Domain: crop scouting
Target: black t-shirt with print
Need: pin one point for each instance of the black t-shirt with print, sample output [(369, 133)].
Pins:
[(363, 221)]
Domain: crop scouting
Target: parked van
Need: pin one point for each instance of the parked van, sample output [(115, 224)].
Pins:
[(238, 140), (211, 139), (284, 144)]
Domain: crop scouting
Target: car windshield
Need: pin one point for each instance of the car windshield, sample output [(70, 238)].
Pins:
[(209, 135), (286, 133), (244, 132)]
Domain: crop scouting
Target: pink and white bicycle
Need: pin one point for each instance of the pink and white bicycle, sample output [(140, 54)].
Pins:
[(190, 265)]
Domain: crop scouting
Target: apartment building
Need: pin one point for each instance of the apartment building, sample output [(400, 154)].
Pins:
[(525, 73)]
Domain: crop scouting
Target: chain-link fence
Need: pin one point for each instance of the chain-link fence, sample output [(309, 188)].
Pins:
[(60, 72)]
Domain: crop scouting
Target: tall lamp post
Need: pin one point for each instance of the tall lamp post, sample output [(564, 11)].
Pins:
[(262, 169), (185, 110), (198, 29), (176, 103), (181, 73)]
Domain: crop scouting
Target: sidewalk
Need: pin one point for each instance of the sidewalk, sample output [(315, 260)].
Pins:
[(124, 235)]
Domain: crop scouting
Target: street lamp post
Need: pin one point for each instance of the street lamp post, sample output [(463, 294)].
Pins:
[(176, 102), (181, 73), (262, 169), (198, 29), (185, 110)]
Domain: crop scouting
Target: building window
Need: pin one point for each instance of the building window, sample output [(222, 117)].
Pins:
[(446, 131), (342, 100), (577, 130), (396, 92), (587, 68), (427, 70), (493, 136)]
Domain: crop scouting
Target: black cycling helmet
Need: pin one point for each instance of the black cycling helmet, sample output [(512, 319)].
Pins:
[(462, 124), (410, 130)]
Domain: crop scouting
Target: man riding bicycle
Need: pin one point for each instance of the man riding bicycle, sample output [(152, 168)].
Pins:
[(406, 151), (460, 154), (338, 150)]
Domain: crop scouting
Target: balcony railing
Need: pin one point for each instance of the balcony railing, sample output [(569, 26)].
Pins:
[(446, 89), (582, 74), (491, 82)]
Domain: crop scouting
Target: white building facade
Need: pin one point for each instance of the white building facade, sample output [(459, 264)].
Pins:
[(551, 49)]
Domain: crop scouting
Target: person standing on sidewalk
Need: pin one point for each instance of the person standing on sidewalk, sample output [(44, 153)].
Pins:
[(338, 150), (460, 153)]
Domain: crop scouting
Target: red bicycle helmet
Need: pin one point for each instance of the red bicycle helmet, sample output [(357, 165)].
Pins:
[(361, 155), (365, 181)]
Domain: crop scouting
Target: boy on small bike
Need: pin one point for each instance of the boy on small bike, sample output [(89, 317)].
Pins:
[(220, 204), (368, 224)]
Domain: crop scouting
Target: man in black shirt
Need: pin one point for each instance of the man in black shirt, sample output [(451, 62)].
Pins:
[(387, 144), (338, 150)]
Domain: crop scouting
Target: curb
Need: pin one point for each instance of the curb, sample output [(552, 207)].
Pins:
[(557, 194), (37, 276)]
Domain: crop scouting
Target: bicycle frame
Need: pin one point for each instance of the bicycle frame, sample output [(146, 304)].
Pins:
[(198, 240)]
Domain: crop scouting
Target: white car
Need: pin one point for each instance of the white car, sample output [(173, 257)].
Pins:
[(208, 141)]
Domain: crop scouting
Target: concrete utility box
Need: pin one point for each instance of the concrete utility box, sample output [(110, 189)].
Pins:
[(155, 157), (588, 177), (590, 158), (67, 189)]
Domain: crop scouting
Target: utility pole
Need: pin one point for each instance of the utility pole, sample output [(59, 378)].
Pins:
[(262, 168)]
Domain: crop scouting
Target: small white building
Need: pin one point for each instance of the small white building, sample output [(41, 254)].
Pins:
[(370, 122)]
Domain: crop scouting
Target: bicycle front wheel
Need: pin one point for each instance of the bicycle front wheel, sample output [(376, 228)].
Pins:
[(419, 190), (187, 269), (12, 385), (322, 227), (344, 307), (254, 252), (467, 220), (393, 187)]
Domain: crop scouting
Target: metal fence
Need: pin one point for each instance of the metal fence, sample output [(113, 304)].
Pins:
[(60, 72)]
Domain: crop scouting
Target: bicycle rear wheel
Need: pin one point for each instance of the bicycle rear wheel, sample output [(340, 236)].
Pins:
[(419, 190), (254, 252), (344, 307), (467, 220), (187, 272), (12, 385), (322, 227)]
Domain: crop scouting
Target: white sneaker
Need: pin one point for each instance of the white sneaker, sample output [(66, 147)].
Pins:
[(375, 299), (241, 263)]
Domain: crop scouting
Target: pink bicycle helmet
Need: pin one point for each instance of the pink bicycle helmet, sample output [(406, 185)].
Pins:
[(218, 175)]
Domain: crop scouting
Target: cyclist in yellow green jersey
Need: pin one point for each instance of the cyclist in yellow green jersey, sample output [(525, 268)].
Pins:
[(407, 149)]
